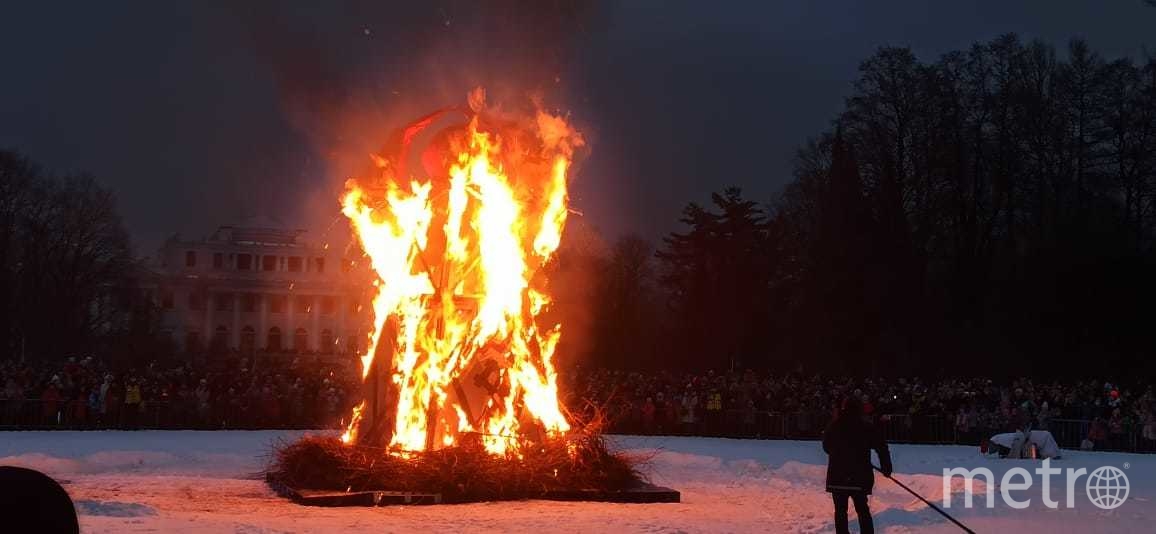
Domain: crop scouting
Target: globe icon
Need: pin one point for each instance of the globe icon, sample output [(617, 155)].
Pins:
[(1107, 487)]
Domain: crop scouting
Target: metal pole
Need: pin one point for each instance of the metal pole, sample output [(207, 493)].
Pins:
[(928, 503)]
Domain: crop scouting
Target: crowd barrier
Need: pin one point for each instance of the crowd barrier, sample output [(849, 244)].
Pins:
[(35, 414), (896, 428)]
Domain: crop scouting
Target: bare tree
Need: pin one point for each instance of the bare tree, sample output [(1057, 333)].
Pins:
[(64, 249)]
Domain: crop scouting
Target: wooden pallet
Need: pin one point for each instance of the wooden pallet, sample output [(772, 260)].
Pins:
[(308, 497)]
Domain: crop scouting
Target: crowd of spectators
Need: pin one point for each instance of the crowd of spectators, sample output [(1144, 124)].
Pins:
[(963, 410), (310, 392), (237, 393)]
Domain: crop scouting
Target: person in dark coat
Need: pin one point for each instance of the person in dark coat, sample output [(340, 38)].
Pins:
[(848, 442)]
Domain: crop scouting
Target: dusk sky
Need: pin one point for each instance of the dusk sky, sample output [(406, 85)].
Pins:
[(198, 116)]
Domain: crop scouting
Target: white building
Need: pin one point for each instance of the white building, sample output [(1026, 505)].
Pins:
[(260, 287)]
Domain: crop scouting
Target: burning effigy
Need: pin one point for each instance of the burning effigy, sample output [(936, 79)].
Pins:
[(460, 393)]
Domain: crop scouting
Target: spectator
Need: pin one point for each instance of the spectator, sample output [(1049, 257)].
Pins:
[(1098, 433), (1116, 430), (689, 412), (50, 400), (648, 410), (713, 412), (202, 397), (132, 400), (1149, 431)]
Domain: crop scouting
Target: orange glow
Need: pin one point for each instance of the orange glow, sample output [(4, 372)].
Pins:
[(457, 298)]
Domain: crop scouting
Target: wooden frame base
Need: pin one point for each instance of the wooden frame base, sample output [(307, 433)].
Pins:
[(309, 497)]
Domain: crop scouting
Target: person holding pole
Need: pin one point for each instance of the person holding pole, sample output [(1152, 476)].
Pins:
[(848, 442)]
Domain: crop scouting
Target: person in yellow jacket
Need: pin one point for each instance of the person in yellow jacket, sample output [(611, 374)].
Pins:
[(714, 406)]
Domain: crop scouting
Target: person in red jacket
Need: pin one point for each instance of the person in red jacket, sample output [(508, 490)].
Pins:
[(50, 401), (648, 410)]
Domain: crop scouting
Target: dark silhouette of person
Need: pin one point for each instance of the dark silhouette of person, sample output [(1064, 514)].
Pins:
[(848, 442), (31, 501)]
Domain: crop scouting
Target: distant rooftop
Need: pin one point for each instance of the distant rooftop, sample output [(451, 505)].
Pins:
[(259, 230), (262, 222)]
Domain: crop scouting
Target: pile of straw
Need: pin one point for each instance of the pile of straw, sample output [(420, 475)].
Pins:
[(465, 473)]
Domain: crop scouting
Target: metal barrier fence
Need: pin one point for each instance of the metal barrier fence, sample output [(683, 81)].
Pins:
[(896, 428), (1128, 437), (36, 414)]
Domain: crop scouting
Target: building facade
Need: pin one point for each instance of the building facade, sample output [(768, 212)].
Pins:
[(259, 287)]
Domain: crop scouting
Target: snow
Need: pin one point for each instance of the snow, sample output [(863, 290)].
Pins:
[(156, 481)]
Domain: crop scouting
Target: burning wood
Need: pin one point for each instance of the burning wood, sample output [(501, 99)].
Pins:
[(459, 346)]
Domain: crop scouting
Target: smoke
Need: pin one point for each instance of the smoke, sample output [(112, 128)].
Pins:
[(349, 72), (575, 280), (348, 75)]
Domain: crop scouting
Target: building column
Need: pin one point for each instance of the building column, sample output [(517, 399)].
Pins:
[(209, 331), (289, 335), (262, 341), (235, 337), (315, 323)]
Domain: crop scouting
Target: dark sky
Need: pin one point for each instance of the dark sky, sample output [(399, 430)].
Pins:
[(198, 114)]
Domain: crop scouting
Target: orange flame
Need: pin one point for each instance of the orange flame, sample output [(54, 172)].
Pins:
[(456, 294)]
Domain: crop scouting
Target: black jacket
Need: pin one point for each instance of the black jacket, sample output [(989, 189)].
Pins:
[(848, 442)]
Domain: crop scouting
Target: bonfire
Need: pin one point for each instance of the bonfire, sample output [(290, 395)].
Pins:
[(460, 392)]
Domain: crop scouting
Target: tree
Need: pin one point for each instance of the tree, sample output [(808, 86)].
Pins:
[(65, 249), (627, 310), (1009, 210), (718, 279)]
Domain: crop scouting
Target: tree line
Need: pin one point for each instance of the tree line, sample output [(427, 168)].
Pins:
[(990, 210), (65, 263)]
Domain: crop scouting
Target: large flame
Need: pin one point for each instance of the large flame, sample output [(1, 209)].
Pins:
[(457, 299)]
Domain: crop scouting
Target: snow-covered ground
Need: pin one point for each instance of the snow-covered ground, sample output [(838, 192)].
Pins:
[(210, 482)]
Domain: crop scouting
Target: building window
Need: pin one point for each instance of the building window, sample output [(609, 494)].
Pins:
[(190, 258), (319, 265), (167, 299), (351, 343), (273, 342), (269, 263), (248, 302), (328, 305), (195, 301), (193, 342), (218, 260), (304, 304), (276, 303), (326, 341), (300, 340), (295, 264), (244, 262), (221, 338), (354, 307), (223, 301), (248, 339)]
